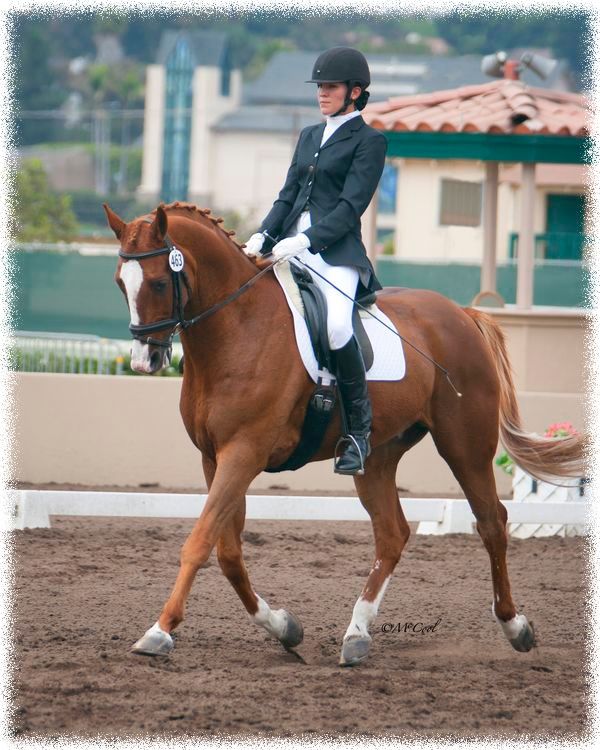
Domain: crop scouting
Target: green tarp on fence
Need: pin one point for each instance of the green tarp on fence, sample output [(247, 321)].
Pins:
[(560, 283), (73, 293)]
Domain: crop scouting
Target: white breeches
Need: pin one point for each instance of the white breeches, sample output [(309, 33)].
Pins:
[(339, 308)]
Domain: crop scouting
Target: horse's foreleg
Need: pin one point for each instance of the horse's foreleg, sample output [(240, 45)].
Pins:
[(279, 623), (227, 489), (378, 494)]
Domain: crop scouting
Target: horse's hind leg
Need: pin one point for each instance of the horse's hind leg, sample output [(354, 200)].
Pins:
[(471, 463), (284, 625), (378, 494)]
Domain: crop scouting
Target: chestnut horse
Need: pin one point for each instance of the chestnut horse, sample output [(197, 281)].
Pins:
[(245, 392)]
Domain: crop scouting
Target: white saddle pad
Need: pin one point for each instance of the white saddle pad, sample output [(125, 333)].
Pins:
[(388, 354)]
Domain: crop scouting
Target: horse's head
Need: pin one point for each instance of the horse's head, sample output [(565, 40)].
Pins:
[(150, 274)]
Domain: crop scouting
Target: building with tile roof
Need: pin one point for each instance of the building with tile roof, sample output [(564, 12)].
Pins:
[(235, 145), (283, 80), (455, 152)]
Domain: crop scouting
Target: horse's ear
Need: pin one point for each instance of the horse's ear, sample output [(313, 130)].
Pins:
[(115, 222), (160, 223)]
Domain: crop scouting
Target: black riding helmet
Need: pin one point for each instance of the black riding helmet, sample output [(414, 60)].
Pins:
[(343, 65)]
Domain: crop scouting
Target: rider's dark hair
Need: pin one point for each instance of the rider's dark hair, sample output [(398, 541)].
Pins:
[(361, 101)]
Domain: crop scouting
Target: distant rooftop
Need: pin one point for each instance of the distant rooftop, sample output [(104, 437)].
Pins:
[(208, 48), (283, 80)]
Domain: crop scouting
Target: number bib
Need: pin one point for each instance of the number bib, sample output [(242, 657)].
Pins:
[(176, 260)]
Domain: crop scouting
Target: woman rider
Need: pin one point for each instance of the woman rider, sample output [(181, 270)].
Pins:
[(334, 172)]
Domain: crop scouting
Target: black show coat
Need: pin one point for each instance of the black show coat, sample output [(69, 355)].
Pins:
[(335, 183)]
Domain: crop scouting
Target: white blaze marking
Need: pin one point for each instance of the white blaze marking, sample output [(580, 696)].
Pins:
[(273, 621), (513, 627), (132, 277), (365, 612)]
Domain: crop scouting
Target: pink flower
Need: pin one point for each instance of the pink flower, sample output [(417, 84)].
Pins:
[(560, 430)]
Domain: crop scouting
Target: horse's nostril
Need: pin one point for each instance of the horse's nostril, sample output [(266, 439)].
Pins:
[(155, 359)]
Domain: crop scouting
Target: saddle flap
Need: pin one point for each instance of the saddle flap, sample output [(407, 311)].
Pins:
[(389, 361), (315, 314)]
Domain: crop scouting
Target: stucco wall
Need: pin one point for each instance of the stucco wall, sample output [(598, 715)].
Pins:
[(418, 233), (127, 431), (249, 170)]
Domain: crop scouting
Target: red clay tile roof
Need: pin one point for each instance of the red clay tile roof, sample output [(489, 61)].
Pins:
[(496, 107)]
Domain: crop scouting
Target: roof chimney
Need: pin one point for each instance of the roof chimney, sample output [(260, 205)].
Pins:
[(511, 69)]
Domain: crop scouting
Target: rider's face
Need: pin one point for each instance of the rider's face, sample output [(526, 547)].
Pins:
[(331, 97)]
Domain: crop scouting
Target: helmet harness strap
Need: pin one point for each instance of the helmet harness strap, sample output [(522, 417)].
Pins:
[(347, 101)]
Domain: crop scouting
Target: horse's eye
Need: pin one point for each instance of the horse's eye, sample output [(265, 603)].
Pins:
[(158, 286)]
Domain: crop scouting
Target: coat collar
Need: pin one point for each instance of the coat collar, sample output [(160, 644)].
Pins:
[(346, 130)]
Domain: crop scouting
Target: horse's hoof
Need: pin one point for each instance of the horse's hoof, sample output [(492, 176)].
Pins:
[(355, 650), (525, 641), (154, 642), (293, 633)]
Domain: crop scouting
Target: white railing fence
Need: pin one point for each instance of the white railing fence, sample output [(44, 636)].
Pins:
[(33, 508), (40, 351)]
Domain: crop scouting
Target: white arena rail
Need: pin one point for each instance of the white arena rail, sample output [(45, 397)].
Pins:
[(33, 508)]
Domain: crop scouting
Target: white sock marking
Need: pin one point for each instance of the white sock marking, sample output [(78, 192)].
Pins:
[(365, 612), (511, 628), (273, 621)]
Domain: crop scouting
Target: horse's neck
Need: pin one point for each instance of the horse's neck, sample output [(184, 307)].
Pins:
[(220, 269), (220, 266)]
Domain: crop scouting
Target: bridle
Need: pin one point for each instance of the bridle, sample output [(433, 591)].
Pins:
[(177, 320)]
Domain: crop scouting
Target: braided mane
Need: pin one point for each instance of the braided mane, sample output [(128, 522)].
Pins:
[(202, 215)]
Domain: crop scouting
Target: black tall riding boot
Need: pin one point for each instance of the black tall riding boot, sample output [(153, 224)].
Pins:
[(352, 382)]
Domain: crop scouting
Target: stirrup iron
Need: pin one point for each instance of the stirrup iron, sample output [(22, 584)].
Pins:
[(336, 456)]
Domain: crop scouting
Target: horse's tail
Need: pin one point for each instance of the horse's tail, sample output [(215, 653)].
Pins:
[(544, 458)]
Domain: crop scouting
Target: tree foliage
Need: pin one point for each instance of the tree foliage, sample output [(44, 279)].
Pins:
[(41, 214), (44, 45), (566, 33), (121, 83)]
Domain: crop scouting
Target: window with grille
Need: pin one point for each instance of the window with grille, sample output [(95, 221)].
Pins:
[(387, 189), (178, 123), (460, 203)]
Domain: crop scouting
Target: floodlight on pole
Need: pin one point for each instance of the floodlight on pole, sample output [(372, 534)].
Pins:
[(542, 66), (498, 65)]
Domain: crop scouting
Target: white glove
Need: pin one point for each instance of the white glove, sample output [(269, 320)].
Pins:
[(290, 247), (254, 245)]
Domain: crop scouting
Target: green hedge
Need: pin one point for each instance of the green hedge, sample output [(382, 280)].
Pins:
[(87, 206), (22, 361)]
